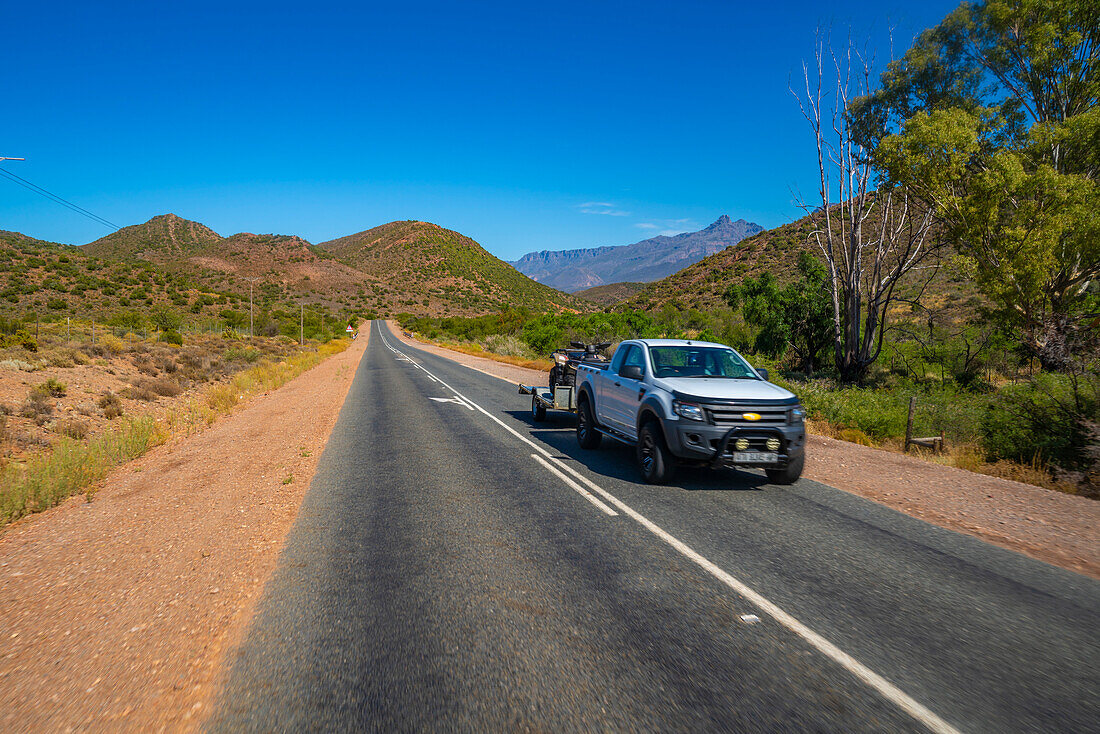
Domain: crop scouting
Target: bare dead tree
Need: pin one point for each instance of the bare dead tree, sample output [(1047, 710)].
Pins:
[(870, 238)]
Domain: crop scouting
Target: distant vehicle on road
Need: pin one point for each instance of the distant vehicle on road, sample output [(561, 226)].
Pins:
[(682, 401)]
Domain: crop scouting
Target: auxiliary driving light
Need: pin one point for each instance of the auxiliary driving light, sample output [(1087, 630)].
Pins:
[(741, 444), (772, 444)]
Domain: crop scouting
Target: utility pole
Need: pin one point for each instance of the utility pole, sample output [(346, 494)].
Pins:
[(302, 327), (251, 331)]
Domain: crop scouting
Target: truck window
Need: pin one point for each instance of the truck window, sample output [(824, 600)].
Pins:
[(634, 357), (617, 358), (685, 361)]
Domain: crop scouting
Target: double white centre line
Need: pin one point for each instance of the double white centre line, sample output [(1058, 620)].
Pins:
[(885, 688)]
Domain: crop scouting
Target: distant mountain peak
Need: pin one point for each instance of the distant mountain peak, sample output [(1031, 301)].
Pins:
[(644, 261)]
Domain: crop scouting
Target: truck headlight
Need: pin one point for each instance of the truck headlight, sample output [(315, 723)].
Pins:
[(691, 411), (797, 415), (561, 358)]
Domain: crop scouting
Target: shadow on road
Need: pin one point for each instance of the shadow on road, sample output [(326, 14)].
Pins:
[(616, 460)]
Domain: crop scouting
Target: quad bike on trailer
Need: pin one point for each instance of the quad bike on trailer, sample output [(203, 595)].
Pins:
[(559, 395)]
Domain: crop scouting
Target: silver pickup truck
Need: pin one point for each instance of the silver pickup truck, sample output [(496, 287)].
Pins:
[(681, 401)]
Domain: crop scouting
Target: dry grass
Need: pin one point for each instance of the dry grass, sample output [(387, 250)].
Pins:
[(71, 467), (267, 375)]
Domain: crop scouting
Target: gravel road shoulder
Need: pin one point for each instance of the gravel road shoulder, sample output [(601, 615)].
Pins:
[(1060, 529), (117, 613)]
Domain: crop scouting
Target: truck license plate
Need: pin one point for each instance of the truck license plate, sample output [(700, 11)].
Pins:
[(755, 457)]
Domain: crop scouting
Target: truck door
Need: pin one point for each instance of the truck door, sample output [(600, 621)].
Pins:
[(604, 385), (622, 392)]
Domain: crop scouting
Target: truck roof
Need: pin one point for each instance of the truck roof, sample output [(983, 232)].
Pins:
[(679, 343)]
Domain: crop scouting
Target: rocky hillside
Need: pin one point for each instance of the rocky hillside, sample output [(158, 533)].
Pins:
[(610, 294), (422, 268), (645, 261), (702, 285)]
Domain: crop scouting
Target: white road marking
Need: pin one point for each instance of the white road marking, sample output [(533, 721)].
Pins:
[(455, 399), (872, 679), (581, 490)]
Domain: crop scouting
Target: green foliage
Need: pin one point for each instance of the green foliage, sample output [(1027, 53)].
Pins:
[(173, 337), (996, 126), (165, 319), (21, 338), (129, 320), (1047, 418), (797, 317)]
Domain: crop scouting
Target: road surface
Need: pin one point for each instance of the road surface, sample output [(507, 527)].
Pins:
[(455, 566)]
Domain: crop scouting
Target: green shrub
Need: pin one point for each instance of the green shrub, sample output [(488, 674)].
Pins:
[(1046, 419), (173, 337)]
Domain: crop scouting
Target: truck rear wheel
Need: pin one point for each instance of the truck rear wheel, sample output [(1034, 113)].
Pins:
[(587, 435), (655, 460), (789, 474)]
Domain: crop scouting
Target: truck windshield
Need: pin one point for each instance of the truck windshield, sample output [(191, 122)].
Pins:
[(686, 361)]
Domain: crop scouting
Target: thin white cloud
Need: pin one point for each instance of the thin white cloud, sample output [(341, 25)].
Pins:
[(605, 208), (669, 227)]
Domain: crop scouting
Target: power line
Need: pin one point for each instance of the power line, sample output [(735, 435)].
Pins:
[(55, 198)]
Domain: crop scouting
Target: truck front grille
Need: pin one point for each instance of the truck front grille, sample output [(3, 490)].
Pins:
[(735, 416)]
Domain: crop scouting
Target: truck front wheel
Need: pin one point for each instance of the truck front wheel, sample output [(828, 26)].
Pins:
[(789, 474), (587, 435), (654, 458)]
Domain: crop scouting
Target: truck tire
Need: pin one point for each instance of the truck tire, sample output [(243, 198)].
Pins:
[(788, 475), (654, 459), (587, 435), (538, 410)]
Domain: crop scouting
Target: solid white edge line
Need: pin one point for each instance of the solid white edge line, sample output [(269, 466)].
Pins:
[(873, 680), (580, 490)]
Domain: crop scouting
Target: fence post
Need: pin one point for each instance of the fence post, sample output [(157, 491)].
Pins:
[(909, 423)]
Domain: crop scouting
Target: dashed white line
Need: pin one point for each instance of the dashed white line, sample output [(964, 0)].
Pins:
[(883, 687)]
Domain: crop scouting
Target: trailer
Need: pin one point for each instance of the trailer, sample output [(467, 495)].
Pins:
[(562, 397)]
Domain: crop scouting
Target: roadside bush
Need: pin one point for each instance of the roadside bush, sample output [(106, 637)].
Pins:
[(50, 388), (20, 338), (242, 354), (164, 386), (73, 429), (173, 337), (1047, 419), (507, 345), (37, 407), (112, 344), (111, 406), (138, 393)]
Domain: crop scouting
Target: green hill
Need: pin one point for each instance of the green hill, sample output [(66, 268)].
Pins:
[(161, 239), (422, 268)]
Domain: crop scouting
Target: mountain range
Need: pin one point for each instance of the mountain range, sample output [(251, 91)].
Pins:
[(645, 261)]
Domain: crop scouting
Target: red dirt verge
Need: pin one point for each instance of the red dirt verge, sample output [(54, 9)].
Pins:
[(117, 613)]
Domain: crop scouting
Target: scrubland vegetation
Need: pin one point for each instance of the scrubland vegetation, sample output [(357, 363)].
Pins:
[(93, 405)]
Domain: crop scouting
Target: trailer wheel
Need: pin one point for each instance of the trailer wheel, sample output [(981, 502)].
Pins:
[(538, 410), (587, 435)]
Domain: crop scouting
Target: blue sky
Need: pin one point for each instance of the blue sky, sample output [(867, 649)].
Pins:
[(525, 126)]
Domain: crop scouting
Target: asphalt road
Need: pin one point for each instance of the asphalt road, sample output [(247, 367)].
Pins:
[(456, 566)]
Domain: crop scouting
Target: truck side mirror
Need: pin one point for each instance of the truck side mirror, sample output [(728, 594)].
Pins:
[(631, 372), (763, 372)]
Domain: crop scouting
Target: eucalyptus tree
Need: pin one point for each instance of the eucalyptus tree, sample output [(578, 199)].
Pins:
[(991, 119)]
